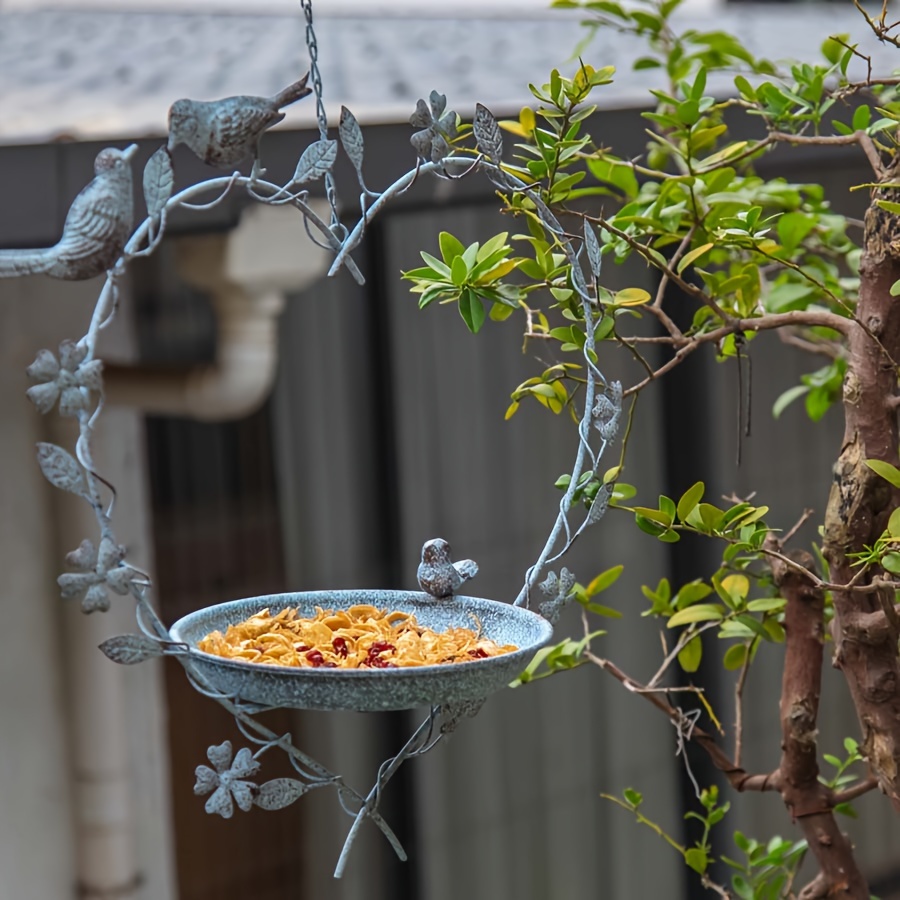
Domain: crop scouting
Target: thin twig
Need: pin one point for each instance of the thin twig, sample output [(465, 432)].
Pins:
[(786, 538), (739, 703), (855, 790), (683, 640), (824, 348)]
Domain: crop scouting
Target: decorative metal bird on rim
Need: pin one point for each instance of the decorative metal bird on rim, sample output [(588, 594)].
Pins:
[(97, 226), (225, 132), (438, 575)]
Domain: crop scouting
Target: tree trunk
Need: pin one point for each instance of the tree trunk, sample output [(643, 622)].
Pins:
[(861, 502)]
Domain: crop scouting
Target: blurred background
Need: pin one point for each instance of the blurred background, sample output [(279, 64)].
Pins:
[(271, 429)]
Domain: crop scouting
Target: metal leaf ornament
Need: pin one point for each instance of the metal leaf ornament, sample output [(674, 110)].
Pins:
[(592, 246), (227, 780), (438, 128), (159, 181), (352, 140), (487, 133), (608, 410), (559, 591), (128, 649), (61, 469), (98, 570), (316, 160), (68, 379), (279, 792)]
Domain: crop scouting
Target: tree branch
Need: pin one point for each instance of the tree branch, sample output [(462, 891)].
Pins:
[(858, 137), (818, 318), (737, 777), (809, 802), (828, 349), (854, 791)]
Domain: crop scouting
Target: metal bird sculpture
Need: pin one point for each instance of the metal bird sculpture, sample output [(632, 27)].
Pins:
[(438, 575), (225, 132), (97, 226)]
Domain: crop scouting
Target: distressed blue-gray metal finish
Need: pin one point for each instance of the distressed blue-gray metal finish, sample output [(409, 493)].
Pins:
[(369, 689), (97, 226), (95, 238)]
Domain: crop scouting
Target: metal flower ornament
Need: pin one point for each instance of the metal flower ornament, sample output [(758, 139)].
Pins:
[(99, 237)]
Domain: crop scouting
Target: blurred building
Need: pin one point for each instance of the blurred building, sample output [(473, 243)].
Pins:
[(271, 429)]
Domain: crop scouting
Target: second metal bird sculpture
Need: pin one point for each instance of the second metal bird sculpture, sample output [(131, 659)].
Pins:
[(438, 575), (225, 132), (97, 226)]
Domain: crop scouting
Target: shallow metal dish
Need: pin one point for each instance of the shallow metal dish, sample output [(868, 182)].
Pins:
[(368, 689)]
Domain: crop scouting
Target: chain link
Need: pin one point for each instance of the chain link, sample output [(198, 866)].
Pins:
[(313, 48)]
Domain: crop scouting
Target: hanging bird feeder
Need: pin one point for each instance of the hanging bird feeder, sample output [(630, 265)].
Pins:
[(222, 132)]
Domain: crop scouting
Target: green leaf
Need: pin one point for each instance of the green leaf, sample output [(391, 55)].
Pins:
[(691, 654), (733, 589), (450, 246), (655, 515), (893, 525), (667, 506), (694, 255), (472, 310), (632, 297), (705, 517), (691, 593), (500, 311), (701, 612), (766, 604), (885, 470), (793, 227), (689, 500), (688, 112), (459, 271), (744, 87), (895, 289), (696, 858), (649, 527), (889, 206), (862, 116), (634, 798), (604, 580), (497, 242), (891, 562), (833, 50), (734, 657), (787, 398), (616, 172), (441, 268)]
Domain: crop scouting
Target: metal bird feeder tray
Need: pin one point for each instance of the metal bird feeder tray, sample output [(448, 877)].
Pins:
[(368, 689)]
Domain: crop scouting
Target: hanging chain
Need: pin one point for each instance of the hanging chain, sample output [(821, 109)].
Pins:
[(313, 47)]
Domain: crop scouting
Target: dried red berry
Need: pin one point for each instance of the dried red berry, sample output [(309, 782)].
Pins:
[(478, 653), (340, 647), (380, 647), (316, 659)]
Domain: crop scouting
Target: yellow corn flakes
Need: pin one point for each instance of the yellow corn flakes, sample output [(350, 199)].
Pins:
[(358, 637)]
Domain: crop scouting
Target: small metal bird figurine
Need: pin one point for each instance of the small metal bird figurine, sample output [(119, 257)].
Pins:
[(438, 575), (225, 132), (97, 226)]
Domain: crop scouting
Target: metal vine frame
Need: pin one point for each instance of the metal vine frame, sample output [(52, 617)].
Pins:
[(75, 380)]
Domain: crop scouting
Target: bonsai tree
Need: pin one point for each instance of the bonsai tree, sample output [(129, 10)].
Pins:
[(749, 255)]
